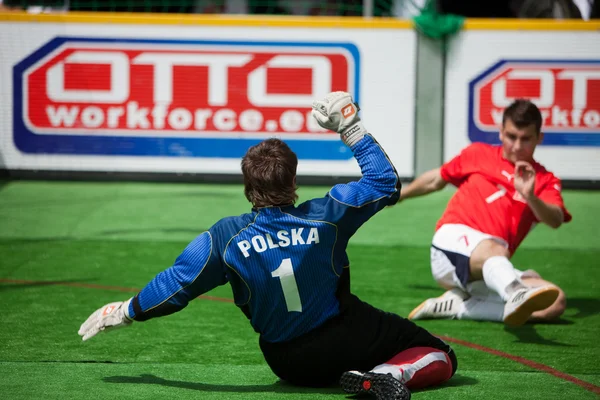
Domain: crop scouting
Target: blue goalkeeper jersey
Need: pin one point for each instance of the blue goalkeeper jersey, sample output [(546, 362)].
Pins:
[(285, 264)]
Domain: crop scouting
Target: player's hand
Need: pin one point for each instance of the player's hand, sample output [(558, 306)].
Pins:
[(337, 112), (108, 317), (524, 179)]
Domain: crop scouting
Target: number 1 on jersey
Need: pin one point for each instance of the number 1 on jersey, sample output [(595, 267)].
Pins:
[(285, 273)]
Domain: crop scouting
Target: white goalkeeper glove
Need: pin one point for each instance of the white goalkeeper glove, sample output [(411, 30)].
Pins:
[(337, 112), (109, 317)]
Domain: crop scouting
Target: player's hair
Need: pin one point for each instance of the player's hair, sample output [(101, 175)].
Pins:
[(523, 113), (269, 169)]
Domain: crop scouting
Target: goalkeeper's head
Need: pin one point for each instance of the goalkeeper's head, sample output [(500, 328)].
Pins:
[(269, 170)]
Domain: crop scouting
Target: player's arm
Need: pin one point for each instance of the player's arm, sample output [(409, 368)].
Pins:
[(196, 271), (380, 182), (455, 172), (548, 208), (379, 186), (427, 182), (550, 214)]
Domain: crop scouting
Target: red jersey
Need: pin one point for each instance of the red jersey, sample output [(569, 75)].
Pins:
[(486, 198)]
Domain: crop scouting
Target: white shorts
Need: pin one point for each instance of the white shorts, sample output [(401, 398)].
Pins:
[(451, 249)]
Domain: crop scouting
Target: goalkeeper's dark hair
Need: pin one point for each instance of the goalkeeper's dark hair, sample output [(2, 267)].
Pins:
[(269, 170), (523, 113)]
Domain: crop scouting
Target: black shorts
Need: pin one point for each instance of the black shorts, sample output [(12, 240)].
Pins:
[(360, 338)]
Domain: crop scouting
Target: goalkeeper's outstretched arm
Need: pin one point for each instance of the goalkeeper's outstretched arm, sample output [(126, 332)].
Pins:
[(196, 271), (430, 181)]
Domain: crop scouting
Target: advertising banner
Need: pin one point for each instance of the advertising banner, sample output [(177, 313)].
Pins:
[(194, 99), (558, 70)]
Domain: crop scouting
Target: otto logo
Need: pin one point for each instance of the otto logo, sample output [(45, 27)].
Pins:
[(150, 88), (108, 310), (348, 111), (567, 94)]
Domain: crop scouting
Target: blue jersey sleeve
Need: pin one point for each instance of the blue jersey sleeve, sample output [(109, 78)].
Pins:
[(351, 205), (196, 271)]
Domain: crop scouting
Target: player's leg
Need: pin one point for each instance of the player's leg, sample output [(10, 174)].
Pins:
[(396, 354), (318, 358), (427, 362), (414, 368), (401, 352), (357, 340), (476, 301), (482, 305), (489, 261), (450, 252), (486, 305), (420, 367), (461, 257)]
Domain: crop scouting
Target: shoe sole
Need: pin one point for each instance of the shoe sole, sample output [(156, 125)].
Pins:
[(539, 301), (380, 386)]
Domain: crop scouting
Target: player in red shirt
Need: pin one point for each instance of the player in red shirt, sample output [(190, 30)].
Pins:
[(502, 194)]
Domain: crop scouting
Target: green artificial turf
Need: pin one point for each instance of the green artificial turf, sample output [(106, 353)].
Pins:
[(67, 248)]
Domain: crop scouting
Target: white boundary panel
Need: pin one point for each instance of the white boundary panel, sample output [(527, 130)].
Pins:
[(192, 98), (558, 70)]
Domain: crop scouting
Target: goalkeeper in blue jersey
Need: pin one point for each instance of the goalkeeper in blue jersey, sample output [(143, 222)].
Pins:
[(288, 268)]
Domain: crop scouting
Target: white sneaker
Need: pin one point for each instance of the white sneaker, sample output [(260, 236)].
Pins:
[(445, 307), (523, 302)]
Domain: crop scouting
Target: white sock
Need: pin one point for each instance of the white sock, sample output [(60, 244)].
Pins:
[(499, 275), (482, 309)]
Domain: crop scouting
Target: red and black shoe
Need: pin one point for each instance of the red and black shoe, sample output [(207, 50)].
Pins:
[(379, 386)]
